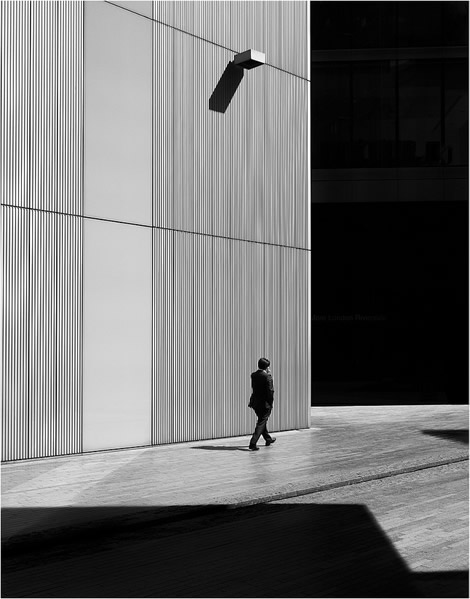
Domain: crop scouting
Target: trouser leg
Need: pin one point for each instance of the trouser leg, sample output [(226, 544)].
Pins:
[(261, 428)]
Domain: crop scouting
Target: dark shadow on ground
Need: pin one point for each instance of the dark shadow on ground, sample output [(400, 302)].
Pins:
[(459, 435), (226, 88), (259, 551), (442, 584), (223, 447)]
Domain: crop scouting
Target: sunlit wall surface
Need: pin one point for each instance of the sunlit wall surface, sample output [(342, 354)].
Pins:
[(155, 243)]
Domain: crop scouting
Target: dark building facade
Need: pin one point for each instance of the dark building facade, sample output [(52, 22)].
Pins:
[(390, 201)]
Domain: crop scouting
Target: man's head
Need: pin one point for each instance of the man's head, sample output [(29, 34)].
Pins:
[(263, 363)]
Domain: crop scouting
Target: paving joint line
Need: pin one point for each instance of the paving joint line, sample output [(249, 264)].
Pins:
[(16, 543), (346, 483)]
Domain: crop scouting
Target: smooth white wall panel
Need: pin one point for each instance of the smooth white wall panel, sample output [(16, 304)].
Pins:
[(279, 29), (117, 335), (242, 173), (140, 7), (118, 114)]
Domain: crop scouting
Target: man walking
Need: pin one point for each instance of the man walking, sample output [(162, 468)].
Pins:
[(262, 402)]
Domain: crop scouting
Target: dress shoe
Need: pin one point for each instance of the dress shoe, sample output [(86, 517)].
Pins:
[(270, 441), (253, 448)]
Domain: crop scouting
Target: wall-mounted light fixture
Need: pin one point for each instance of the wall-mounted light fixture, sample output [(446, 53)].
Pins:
[(249, 59)]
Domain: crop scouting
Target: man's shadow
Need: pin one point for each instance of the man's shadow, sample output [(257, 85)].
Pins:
[(223, 447)]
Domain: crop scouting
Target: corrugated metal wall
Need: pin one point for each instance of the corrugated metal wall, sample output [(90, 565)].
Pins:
[(230, 220), (240, 174), (42, 83), (231, 211), (15, 334), (219, 305), (280, 29)]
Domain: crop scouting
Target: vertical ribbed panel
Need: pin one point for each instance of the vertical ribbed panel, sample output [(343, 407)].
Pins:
[(42, 77), (69, 335), (219, 305), (240, 174), (15, 284), (222, 182), (163, 307), (163, 128), (43, 105), (42, 172), (42, 329), (279, 29), (70, 107), (42, 334), (15, 52)]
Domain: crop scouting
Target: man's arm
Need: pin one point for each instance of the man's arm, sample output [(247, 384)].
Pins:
[(270, 384), (269, 387)]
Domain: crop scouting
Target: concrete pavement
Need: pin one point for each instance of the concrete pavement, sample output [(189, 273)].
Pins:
[(46, 497)]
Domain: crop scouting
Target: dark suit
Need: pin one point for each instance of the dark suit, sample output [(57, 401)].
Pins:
[(262, 402)]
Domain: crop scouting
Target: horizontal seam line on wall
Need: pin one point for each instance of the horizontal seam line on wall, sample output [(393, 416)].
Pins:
[(329, 55), (120, 222), (200, 38), (381, 179)]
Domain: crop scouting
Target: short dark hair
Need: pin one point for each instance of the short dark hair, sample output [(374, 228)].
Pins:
[(263, 363)]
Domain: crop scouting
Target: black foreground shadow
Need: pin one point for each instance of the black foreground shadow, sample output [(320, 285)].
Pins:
[(458, 435), (259, 551), (226, 88)]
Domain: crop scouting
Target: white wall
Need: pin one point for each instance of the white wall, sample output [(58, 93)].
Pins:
[(117, 334), (118, 114)]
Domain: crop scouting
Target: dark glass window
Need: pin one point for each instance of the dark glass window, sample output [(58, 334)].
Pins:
[(419, 24), (331, 115), (373, 24), (374, 115), (389, 113), (330, 26), (345, 25), (419, 113), (456, 113), (455, 23)]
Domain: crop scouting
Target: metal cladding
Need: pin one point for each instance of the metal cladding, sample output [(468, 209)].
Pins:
[(219, 305), (242, 174), (42, 162), (231, 217), (205, 243), (278, 29)]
